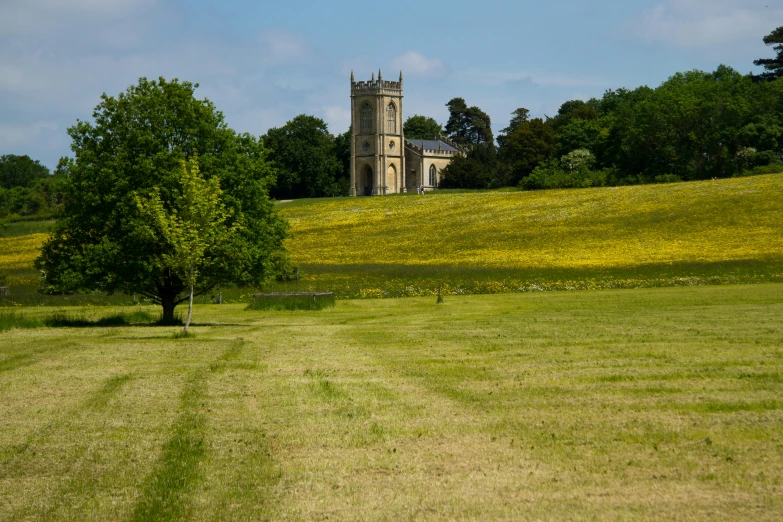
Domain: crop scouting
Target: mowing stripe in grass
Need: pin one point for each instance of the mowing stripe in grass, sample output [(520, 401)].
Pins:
[(96, 402), (109, 389), (166, 491), (29, 358), (81, 484)]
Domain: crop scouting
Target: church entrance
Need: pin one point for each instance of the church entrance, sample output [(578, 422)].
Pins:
[(367, 180)]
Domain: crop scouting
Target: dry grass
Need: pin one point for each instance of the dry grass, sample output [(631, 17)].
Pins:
[(662, 403)]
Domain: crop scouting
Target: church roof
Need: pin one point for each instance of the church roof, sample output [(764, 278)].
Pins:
[(433, 145)]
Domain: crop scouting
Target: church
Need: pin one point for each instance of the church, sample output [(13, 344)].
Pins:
[(382, 160)]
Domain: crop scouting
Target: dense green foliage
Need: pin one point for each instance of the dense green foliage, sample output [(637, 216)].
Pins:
[(20, 171), (135, 147), (468, 125), (27, 188), (419, 127), (307, 160)]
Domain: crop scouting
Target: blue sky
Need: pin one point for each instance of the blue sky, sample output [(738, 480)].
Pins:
[(262, 63)]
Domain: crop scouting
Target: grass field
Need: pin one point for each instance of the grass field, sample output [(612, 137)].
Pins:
[(624, 404), (682, 234)]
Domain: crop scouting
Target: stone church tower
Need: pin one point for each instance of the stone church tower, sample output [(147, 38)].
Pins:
[(377, 141)]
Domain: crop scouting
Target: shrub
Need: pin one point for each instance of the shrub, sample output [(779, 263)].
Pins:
[(667, 178), (774, 168), (552, 175)]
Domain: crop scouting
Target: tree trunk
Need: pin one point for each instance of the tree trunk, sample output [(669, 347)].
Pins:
[(168, 308), (190, 302)]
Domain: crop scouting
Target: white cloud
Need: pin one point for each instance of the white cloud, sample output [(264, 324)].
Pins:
[(416, 64), (707, 23)]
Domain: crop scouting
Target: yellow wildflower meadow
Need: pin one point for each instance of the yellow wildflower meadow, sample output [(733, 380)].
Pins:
[(20, 252), (711, 232), (604, 228)]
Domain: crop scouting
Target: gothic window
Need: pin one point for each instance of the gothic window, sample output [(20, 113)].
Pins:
[(366, 117), (391, 119), (432, 175)]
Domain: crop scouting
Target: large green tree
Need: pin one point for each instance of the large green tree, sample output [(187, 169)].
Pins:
[(20, 171), (419, 127), (773, 66), (529, 145), (134, 145), (468, 125), (306, 159)]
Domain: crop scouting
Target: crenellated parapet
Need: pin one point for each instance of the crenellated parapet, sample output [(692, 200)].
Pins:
[(374, 87)]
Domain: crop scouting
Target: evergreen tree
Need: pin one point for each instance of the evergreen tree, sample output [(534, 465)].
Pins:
[(773, 66)]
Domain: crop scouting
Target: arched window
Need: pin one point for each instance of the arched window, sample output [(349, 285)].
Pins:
[(433, 181), (391, 119), (366, 118)]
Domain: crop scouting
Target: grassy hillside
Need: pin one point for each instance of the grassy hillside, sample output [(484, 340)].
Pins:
[(625, 405), (650, 235), (709, 232)]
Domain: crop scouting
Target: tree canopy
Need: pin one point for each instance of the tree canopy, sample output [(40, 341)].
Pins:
[(419, 127), (468, 125), (20, 171), (518, 118), (773, 66), (305, 156), (135, 148)]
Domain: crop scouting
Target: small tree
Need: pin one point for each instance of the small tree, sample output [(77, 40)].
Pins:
[(194, 223)]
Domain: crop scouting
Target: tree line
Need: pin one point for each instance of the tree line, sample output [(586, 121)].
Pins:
[(28, 188)]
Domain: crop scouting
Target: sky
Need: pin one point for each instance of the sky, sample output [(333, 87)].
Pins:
[(262, 63)]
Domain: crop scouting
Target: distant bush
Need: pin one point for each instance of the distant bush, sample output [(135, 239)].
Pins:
[(774, 168), (571, 171), (667, 178)]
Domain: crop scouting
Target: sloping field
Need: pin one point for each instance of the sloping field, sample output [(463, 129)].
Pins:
[(713, 232), (650, 404), (652, 235)]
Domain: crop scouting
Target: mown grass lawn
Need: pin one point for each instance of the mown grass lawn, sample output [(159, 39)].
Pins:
[(626, 404)]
